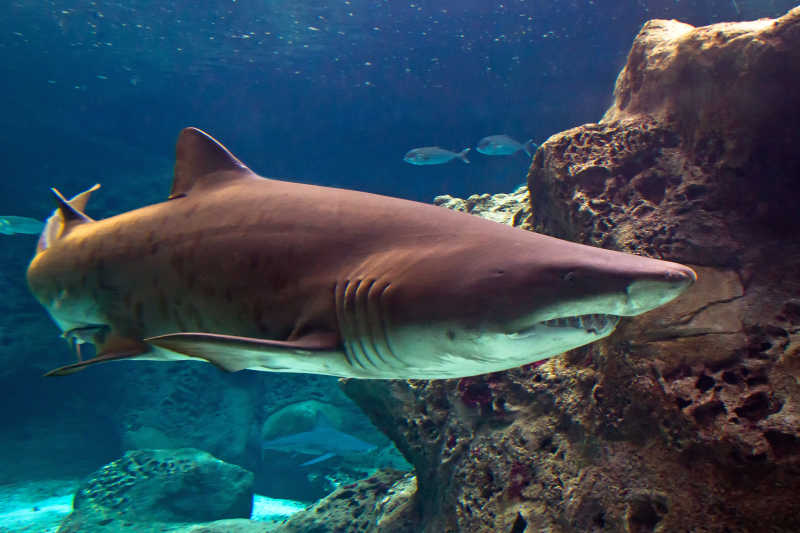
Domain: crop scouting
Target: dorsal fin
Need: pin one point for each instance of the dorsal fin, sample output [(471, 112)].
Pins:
[(67, 215), (70, 214), (202, 160), (79, 201)]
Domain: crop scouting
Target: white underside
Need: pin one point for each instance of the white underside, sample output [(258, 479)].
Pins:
[(431, 353), (421, 353)]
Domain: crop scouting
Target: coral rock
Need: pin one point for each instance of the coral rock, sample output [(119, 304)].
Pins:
[(160, 487), (382, 502), (512, 209)]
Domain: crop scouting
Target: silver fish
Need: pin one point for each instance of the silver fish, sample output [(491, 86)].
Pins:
[(504, 145), (9, 225), (433, 155)]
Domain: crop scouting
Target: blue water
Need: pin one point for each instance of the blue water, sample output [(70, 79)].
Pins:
[(327, 92), (330, 92)]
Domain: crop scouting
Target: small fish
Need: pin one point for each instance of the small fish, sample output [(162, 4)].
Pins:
[(9, 225), (504, 145), (433, 155)]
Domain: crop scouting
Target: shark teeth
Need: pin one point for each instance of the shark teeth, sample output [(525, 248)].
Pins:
[(90, 334), (594, 323)]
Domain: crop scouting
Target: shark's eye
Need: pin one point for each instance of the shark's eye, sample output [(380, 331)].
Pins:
[(569, 276)]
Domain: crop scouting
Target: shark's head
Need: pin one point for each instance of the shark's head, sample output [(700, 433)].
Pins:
[(532, 298)]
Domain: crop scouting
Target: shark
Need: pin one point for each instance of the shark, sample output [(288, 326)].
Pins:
[(247, 272), (323, 440)]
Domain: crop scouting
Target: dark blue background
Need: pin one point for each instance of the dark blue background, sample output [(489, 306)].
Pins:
[(326, 92)]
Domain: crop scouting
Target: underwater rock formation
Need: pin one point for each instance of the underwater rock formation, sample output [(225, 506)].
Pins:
[(378, 503), (512, 209), (166, 406), (160, 489), (687, 418)]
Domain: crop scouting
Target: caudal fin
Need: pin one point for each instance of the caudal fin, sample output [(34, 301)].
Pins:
[(530, 147), (463, 155)]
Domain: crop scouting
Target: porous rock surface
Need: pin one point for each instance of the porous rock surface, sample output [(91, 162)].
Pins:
[(507, 208), (160, 490), (380, 502), (688, 417)]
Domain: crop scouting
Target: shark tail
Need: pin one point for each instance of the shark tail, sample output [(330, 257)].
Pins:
[(463, 155), (530, 147)]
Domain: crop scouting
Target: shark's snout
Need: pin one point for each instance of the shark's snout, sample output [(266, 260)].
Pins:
[(680, 273), (645, 294)]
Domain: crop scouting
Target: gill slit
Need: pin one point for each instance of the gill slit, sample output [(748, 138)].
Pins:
[(366, 310), (384, 325), (364, 326), (339, 295), (376, 322), (360, 325)]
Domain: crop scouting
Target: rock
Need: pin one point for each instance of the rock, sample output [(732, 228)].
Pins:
[(382, 502), (722, 87), (687, 418), (155, 487), (167, 405), (692, 164), (512, 209)]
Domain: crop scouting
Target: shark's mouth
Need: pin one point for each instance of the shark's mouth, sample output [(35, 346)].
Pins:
[(596, 324), (87, 334)]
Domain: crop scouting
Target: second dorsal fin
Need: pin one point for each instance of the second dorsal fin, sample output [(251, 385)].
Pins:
[(201, 160)]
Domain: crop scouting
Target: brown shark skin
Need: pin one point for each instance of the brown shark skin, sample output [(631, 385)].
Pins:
[(238, 254)]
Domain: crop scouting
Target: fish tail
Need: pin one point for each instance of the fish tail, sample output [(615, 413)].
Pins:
[(463, 155), (530, 147)]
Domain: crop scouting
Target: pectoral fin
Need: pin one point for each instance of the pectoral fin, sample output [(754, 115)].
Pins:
[(112, 348), (101, 358), (231, 353)]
